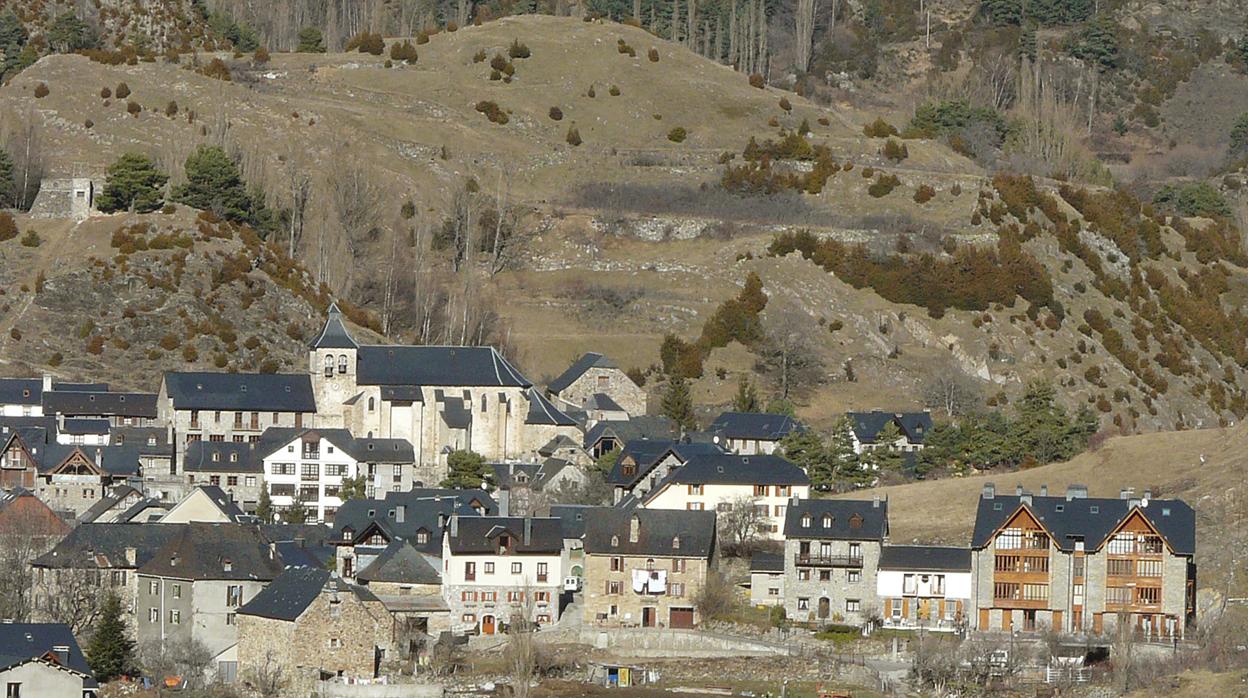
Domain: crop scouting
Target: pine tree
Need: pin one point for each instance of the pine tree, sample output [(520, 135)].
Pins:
[(1027, 42), (133, 181), (213, 183), (353, 487), (8, 184), (111, 652), (264, 507), (747, 397), (296, 513), (311, 41), (465, 470), (885, 456), (678, 404), (842, 460)]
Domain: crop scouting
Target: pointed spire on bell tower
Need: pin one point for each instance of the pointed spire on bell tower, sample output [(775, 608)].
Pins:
[(335, 334)]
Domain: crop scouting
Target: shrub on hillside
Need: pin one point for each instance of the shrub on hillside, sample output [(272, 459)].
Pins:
[(8, 227), (133, 182), (895, 151), (479, 56), (556, 114), (622, 47), (31, 239), (883, 186), (405, 52), (614, 91), (106, 93), (122, 91), (95, 345), (133, 108), (41, 90), (518, 50), (757, 80), (492, 112), (452, 27), (924, 194), (879, 129), (261, 56), (366, 42), (1194, 199), (422, 37), (311, 41), (785, 104), (216, 69), (653, 55), (171, 109), (677, 135), (574, 137), (189, 354)]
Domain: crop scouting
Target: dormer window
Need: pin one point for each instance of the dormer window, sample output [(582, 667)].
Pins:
[(227, 565), (233, 457), (827, 521), (806, 520), (615, 541), (216, 457), (855, 521), (422, 537), (676, 543)]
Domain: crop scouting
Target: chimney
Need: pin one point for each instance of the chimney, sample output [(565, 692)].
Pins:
[(173, 560), (62, 654), (454, 525), (1076, 492), (132, 557), (1044, 490), (1148, 494), (1025, 498), (875, 502), (990, 490), (1133, 502), (794, 501), (47, 382), (272, 551), (528, 530), (441, 521), (400, 513), (1124, 493), (634, 529)]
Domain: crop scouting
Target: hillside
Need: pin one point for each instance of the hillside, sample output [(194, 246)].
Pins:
[(627, 237)]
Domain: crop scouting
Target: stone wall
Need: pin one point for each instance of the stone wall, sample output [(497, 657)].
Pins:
[(838, 588), (625, 609), (614, 383)]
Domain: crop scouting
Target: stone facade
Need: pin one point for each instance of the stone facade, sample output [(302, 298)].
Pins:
[(612, 382), (222, 425), (835, 582), (611, 601)]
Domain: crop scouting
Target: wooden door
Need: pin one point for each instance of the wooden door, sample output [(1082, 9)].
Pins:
[(825, 607), (487, 625), (925, 609), (983, 619), (647, 616), (681, 618)]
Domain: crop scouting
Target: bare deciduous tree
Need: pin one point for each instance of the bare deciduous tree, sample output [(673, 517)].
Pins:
[(268, 678), (72, 596), (789, 350), (521, 648), (741, 525), (357, 206), (952, 391)]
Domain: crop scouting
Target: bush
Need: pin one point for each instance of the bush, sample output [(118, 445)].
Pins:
[(405, 52), (677, 135), (216, 69), (311, 41), (479, 56), (492, 112), (56, 359), (189, 354), (895, 151), (8, 227), (879, 129), (122, 91), (16, 334), (133, 108), (518, 50), (653, 55), (171, 109), (758, 81), (31, 239), (883, 186), (1195, 199), (422, 37), (366, 42), (556, 114), (924, 194), (261, 56), (106, 93), (95, 345), (614, 91), (41, 90), (785, 104), (574, 137)]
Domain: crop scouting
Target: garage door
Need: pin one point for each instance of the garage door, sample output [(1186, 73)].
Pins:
[(682, 618)]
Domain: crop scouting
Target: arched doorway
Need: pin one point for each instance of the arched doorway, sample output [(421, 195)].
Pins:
[(487, 625), (825, 607)]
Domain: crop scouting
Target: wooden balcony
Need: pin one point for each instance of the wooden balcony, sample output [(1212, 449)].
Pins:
[(817, 560)]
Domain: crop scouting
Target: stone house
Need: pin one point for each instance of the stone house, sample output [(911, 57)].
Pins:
[(596, 375), (234, 467), (193, 586), (309, 622), (308, 466), (529, 489), (752, 433), (1083, 565), (643, 463), (73, 478), (645, 567), (831, 559), (439, 399), (233, 407), (43, 660), (610, 434), (155, 446), (924, 586), (65, 197), (498, 570), (719, 482), (117, 409)]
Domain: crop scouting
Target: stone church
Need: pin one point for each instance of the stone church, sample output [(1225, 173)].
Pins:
[(439, 398)]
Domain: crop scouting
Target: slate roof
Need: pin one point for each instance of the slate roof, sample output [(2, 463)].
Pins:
[(20, 642), (420, 513), (541, 411), (727, 469), (464, 497), (79, 425), (203, 549), (21, 391), (874, 519), (108, 501), (572, 518), (454, 414), (578, 369), (259, 392), (767, 562), (436, 366), (754, 425), (535, 475), (113, 460), (1091, 520), (922, 558), (632, 429), (104, 545), (371, 450), (334, 335), (476, 534), (602, 401), (913, 425), (290, 594), (221, 457), (657, 531), (91, 402), (648, 452), (139, 438), (402, 563)]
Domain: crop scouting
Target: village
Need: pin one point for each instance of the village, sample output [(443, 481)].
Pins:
[(396, 510)]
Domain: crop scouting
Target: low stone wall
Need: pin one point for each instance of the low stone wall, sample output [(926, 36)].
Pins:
[(410, 690), (666, 642)]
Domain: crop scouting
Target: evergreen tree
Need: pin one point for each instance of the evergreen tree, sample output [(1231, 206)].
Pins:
[(311, 41), (678, 404), (781, 406), (1027, 42), (1239, 138), (264, 507), (747, 397), (1097, 43), (68, 34), (606, 462), (885, 456), (133, 182), (296, 513), (353, 487), (845, 464), (111, 652), (465, 470), (8, 184), (213, 183), (1003, 12)]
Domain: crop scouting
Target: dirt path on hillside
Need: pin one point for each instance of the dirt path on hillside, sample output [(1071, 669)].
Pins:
[(57, 244)]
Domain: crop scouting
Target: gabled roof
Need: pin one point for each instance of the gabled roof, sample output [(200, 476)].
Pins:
[(578, 369), (370, 450), (210, 551), (335, 334), (1090, 520), (436, 366), (477, 534), (754, 425), (259, 392), (847, 519), (402, 563), (150, 441), (358, 516), (221, 457), (541, 411), (97, 403), (767, 562), (21, 642), (913, 425), (661, 532), (115, 461), (572, 518), (288, 596), (215, 496), (637, 428), (115, 498), (924, 558), (531, 475), (647, 453), (104, 545), (727, 469), (21, 391)]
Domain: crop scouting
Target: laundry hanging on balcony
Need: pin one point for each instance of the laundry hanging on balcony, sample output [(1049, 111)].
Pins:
[(649, 581)]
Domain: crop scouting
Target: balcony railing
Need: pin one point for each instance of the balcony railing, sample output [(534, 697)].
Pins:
[(818, 560)]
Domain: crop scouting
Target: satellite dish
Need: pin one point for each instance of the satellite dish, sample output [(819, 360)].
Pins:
[(1143, 503)]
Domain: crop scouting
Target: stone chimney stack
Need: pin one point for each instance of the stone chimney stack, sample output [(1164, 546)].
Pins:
[(990, 490)]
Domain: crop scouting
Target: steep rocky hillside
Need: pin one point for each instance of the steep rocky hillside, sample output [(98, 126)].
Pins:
[(629, 235)]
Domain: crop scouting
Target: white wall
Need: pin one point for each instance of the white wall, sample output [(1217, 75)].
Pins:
[(889, 584), (677, 496), (292, 452)]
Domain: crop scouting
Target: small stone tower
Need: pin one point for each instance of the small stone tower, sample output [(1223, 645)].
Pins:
[(332, 362)]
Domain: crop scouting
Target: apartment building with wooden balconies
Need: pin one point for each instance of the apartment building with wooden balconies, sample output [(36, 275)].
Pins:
[(1083, 565)]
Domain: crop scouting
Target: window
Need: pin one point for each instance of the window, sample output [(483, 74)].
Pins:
[(723, 507), (177, 591), (760, 490), (853, 605), (854, 576), (855, 550), (803, 604), (541, 596), (615, 587), (617, 564), (805, 520), (489, 568), (234, 595), (372, 404), (517, 568), (1010, 539), (1148, 595), (335, 469), (1118, 595), (469, 618), (773, 591), (825, 575), (309, 470), (250, 481), (779, 511), (803, 574), (1078, 568), (695, 506), (1149, 568), (13, 690), (676, 589), (232, 480), (175, 617), (214, 480), (542, 571), (342, 363), (398, 471), (1118, 567), (489, 596), (335, 643), (230, 618), (783, 490), (153, 587), (695, 489), (470, 571), (153, 615), (679, 565), (1036, 592), (468, 596)]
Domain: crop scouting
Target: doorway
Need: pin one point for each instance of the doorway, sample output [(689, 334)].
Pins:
[(487, 625), (648, 614), (825, 607)]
